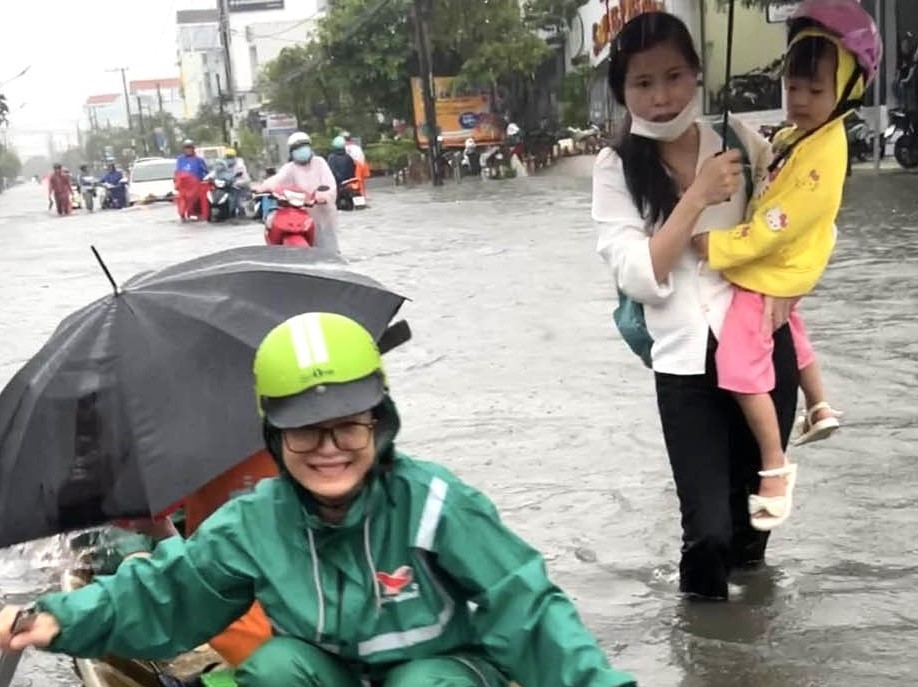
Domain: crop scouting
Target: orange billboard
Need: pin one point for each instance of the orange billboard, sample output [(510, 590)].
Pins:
[(461, 114), (615, 14)]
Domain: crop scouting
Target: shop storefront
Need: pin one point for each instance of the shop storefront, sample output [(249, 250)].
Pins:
[(759, 39)]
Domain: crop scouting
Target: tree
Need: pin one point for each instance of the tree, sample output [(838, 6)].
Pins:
[(491, 38), (551, 15), (292, 82), (206, 127), (10, 165), (4, 109)]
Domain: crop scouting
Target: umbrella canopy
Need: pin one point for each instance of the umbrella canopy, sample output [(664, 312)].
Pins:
[(145, 395)]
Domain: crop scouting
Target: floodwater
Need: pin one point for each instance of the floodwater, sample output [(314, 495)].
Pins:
[(516, 379)]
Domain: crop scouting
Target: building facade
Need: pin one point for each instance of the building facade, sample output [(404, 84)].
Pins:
[(159, 95), (756, 91), (105, 111)]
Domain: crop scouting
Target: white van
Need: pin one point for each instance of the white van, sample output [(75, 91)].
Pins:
[(152, 180)]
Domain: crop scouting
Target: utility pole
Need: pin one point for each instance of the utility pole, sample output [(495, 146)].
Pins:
[(422, 11), (143, 134), (159, 96), (127, 99), (222, 113), (224, 23)]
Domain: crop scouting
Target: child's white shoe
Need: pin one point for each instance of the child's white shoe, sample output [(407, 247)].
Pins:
[(806, 431)]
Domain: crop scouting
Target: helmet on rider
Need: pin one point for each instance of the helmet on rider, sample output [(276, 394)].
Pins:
[(229, 153), (338, 143), (851, 28), (346, 135), (84, 169), (187, 145), (315, 368), (300, 146)]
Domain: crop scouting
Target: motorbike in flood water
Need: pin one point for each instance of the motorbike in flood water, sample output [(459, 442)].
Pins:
[(291, 223)]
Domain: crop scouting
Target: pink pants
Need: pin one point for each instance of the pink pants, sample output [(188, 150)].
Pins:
[(744, 350)]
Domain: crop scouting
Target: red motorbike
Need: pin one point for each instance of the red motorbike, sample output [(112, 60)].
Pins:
[(291, 224)]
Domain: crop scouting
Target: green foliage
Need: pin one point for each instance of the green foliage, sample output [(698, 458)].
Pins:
[(119, 138), (574, 96), (390, 154), (491, 38), (250, 146), (359, 63), (206, 128), (10, 164), (550, 15)]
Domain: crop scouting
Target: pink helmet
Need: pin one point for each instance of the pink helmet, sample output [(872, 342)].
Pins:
[(853, 25)]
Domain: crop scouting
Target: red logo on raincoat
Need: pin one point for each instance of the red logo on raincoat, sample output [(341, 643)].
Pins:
[(395, 582)]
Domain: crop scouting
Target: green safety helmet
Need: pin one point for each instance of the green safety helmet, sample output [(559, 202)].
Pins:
[(338, 143), (316, 367)]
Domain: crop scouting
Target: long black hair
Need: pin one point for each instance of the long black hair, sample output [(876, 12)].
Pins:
[(653, 191)]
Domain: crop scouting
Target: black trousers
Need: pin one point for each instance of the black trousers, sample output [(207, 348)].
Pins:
[(715, 462)]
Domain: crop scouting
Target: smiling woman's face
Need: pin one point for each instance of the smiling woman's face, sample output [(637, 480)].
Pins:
[(331, 459), (659, 83)]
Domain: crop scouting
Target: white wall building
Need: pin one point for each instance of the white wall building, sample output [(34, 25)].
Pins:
[(105, 110), (267, 26), (199, 57), (265, 40)]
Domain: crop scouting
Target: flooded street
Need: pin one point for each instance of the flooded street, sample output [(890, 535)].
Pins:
[(517, 380)]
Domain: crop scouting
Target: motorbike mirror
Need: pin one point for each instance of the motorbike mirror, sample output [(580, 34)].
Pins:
[(323, 187)]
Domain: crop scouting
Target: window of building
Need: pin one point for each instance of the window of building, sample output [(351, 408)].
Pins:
[(758, 48)]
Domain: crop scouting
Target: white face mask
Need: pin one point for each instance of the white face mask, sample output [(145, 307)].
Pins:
[(667, 131)]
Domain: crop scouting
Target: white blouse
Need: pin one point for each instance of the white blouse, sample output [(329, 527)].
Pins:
[(693, 299)]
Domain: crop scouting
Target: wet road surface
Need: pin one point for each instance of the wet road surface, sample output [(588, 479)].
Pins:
[(517, 380)]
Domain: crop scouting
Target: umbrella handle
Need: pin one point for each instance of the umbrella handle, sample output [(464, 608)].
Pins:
[(9, 660), (730, 22), (394, 336)]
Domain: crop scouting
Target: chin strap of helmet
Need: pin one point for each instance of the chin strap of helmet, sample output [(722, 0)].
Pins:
[(845, 106)]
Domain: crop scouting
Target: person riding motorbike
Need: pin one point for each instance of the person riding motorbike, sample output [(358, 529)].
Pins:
[(342, 165), (233, 168), (360, 555), (308, 171), (117, 192), (355, 151), (60, 188), (86, 187), (190, 170)]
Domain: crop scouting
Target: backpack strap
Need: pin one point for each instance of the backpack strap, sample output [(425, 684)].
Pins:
[(735, 142)]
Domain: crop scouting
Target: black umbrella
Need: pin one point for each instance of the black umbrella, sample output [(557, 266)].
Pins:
[(145, 395)]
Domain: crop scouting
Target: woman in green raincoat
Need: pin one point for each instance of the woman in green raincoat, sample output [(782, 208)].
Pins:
[(371, 566)]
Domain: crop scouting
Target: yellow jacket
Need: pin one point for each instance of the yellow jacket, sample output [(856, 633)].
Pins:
[(785, 244)]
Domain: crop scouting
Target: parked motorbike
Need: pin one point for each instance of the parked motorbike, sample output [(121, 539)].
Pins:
[(349, 195), (905, 148), (861, 139), (292, 224), (470, 160)]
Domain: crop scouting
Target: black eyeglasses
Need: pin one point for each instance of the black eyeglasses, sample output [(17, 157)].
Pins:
[(348, 436)]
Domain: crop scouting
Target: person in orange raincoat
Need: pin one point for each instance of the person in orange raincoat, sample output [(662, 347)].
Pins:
[(60, 188), (238, 641), (360, 161)]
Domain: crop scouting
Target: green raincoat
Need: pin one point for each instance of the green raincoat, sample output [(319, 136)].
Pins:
[(422, 566)]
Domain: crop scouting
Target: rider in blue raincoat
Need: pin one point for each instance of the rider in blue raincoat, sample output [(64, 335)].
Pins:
[(189, 162), (115, 176)]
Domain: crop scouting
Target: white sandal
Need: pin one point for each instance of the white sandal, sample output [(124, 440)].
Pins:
[(768, 512), (806, 431)]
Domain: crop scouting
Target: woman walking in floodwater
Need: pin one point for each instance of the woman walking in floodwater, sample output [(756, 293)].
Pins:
[(660, 183)]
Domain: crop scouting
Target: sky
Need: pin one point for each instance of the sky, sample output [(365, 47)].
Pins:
[(68, 47)]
